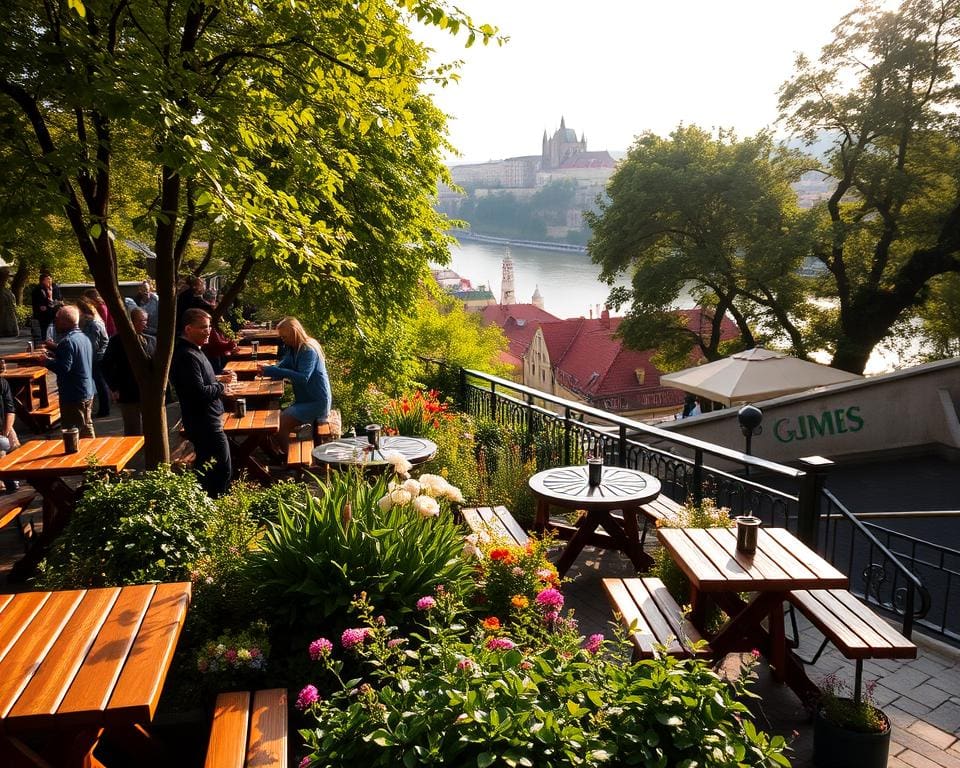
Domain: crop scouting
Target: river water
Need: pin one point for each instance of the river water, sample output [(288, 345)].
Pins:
[(568, 282)]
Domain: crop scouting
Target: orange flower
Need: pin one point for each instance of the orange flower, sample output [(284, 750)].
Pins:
[(491, 623), (519, 601), (501, 553)]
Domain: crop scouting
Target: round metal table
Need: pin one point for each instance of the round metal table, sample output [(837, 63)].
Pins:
[(620, 489), (357, 452)]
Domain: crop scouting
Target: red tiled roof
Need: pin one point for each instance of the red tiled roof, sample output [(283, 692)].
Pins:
[(497, 314)]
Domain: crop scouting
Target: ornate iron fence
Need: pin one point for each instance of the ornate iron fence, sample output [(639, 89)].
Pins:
[(559, 432)]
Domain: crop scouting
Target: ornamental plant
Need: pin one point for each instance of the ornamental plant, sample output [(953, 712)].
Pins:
[(453, 695), (837, 706), (323, 550), (511, 578), (234, 659), (419, 414)]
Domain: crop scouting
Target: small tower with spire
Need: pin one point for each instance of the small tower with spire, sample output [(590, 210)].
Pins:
[(537, 299), (508, 295)]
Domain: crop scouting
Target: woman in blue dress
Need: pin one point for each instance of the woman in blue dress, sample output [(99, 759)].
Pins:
[(306, 368)]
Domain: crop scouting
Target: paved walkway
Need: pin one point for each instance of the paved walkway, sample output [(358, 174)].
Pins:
[(921, 697)]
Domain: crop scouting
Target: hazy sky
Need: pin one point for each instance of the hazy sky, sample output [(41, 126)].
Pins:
[(614, 68)]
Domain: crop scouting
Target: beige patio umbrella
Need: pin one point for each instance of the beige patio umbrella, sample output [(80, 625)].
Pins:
[(752, 375)]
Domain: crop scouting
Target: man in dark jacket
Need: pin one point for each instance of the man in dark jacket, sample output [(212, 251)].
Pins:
[(199, 390), (46, 301), (72, 361), (119, 375)]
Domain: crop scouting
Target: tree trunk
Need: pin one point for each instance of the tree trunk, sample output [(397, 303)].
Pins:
[(157, 447), (20, 280)]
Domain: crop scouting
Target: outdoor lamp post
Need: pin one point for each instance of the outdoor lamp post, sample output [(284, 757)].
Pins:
[(749, 417)]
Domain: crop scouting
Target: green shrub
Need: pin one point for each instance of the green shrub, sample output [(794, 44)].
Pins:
[(316, 558), (455, 455), (506, 483), (129, 531), (452, 696)]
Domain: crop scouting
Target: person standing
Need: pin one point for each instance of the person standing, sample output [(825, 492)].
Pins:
[(199, 390), (305, 366), (46, 301), (149, 302), (9, 325), (191, 298), (72, 362), (94, 329), (119, 373), (93, 296), (8, 435)]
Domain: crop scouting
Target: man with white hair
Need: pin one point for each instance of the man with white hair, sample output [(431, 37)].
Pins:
[(119, 373), (72, 361)]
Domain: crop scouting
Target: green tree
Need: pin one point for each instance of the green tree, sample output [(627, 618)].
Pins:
[(253, 117), (885, 91), (714, 216)]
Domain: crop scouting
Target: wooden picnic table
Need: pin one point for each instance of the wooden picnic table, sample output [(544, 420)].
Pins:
[(77, 664), (264, 352), (45, 464), (245, 369), (257, 392), (263, 335), (21, 358), (717, 570), (620, 489), (28, 383), (247, 433)]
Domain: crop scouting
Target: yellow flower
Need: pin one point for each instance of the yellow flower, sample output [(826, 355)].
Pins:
[(519, 601)]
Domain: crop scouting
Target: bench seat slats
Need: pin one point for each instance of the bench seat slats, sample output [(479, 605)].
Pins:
[(13, 504), (660, 621), (498, 521), (267, 745), (249, 731), (228, 736), (856, 630)]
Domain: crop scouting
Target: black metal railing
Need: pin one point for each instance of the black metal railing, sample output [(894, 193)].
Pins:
[(559, 432)]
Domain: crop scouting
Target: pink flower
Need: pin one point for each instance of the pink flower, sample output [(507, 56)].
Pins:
[(305, 763), (320, 648), (755, 653), (254, 652), (500, 644), (307, 697), (593, 643), (464, 665), (353, 637), (230, 655), (526, 664), (396, 642), (550, 598), (426, 603), (550, 617)]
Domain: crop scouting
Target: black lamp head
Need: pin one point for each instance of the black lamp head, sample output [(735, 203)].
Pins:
[(749, 417)]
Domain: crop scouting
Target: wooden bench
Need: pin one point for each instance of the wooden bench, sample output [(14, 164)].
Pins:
[(497, 521), (249, 730), (660, 624), (183, 456), (13, 504), (661, 509), (47, 417), (299, 451), (852, 626)]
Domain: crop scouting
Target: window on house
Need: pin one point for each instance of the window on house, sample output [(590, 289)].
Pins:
[(640, 373)]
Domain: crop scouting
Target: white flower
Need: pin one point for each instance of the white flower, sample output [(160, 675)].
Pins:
[(400, 496), (470, 548), (452, 493), (400, 465), (432, 485), (426, 506), (412, 487), (385, 503)]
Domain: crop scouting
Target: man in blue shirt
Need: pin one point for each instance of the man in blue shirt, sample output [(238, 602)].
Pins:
[(72, 361)]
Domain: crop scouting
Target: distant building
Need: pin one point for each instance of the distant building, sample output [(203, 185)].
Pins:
[(581, 359)]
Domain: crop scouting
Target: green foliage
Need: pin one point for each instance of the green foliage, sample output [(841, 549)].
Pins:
[(511, 577), (452, 696), (129, 531), (506, 483), (837, 706), (316, 558), (455, 459), (713, 212)]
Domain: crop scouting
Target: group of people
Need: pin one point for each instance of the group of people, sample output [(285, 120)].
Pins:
[(82, 347), (200, 389)]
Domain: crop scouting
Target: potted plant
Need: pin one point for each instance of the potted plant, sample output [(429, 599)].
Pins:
[(849, 730)]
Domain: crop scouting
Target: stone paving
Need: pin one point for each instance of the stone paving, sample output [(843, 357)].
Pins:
[(921, 697)]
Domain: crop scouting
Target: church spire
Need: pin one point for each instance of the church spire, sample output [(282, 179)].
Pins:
[(563, 123)]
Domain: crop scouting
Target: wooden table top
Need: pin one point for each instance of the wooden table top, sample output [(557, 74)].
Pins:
[(710, 559), (256, 388), (87, 657), (46, 458), (267, 420), (21, 357), (568, 487), (30, 372), (261, 334), (265, 351), (243, 366), (352, 451)]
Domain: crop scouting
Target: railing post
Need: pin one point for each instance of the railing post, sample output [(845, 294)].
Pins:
[(463, 388), (811, 484), (697, 477), (493, 401), (622, 446), (528, 426), (566, 435)]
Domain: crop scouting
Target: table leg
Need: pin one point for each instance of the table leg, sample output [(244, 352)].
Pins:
[(778, 643), (587, 525), (66, 750), (241, 454), (542, 516), (59, 501)]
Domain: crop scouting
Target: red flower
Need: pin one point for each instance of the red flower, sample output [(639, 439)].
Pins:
[(491, 623)]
